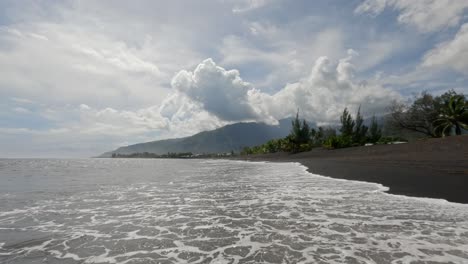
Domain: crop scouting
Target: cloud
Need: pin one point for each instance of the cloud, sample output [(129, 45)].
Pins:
[(74, 65), (450, 54), (321, 96), (94, 74), (120, 57), (237, 51), (272, 57), (325, 92), (86, 51), (377, 51), (220, 92), (109, 121), (443, 64), (21, 110), (83, 131), (21, 100), (248, 5), (424, 15), (211, 96)]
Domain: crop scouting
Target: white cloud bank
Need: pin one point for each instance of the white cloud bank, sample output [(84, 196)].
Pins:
[(211, 96), (321, 96), (119, 59), (208, 97)]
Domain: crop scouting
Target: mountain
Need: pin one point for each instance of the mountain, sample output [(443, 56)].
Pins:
[(231, 137)]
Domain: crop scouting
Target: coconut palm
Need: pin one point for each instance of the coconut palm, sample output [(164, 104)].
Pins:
[(453, 113)]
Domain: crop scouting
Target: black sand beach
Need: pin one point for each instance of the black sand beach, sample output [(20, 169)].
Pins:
[(433, 168)]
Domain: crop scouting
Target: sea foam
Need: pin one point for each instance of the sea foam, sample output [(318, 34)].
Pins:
[(194, 211)]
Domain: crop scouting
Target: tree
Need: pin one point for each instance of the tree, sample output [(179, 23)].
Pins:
[(300, 133), (347, 124), (417, 117), (246, 151), (328, 132), (316, 135), (321, 134), (305, 132), (375, 132), (431, 116), (453, 113), (360, 130)]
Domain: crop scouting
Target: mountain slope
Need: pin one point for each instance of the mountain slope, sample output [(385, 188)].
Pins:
[(231, 137)]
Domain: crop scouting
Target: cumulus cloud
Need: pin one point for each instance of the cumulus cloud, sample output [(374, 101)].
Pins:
[(325, 92), (424, 15), (211, 96), (186, 117), (321, 96), (275, 54), (117, 60), (206, 98), (450, 54), (220, 92)]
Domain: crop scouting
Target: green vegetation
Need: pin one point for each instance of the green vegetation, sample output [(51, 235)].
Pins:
[(427, 115), (431, 116), (453, 113), (300, 135), (353, 132), (375, 132)]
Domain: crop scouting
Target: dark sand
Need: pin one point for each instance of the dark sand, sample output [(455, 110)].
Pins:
[(434, 168)]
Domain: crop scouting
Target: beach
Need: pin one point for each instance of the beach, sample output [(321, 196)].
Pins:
[(430, 168), (214, 211)]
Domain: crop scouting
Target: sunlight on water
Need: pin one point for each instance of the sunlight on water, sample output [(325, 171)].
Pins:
[(199, 211)]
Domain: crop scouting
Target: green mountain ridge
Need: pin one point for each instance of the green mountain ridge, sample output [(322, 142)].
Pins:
[(232, 137)]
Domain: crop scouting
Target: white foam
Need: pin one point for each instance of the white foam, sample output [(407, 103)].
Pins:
[(257, 208), (379, 187)]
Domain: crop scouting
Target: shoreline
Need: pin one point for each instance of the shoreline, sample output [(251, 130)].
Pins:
[(431, 168)]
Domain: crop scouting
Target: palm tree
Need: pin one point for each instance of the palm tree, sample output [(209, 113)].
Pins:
[(453, 113)]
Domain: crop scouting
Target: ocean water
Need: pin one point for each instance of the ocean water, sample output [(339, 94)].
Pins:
[(214, 211)]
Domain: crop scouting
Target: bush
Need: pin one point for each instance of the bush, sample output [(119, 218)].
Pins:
[(335, 142), (305, 147)]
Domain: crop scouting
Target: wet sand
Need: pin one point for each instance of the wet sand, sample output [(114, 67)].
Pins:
[(433, 168)]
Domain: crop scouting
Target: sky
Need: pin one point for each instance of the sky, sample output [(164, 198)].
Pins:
[(79, 78)]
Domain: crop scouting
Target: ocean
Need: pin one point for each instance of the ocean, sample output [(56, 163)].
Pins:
[(214, 211)]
